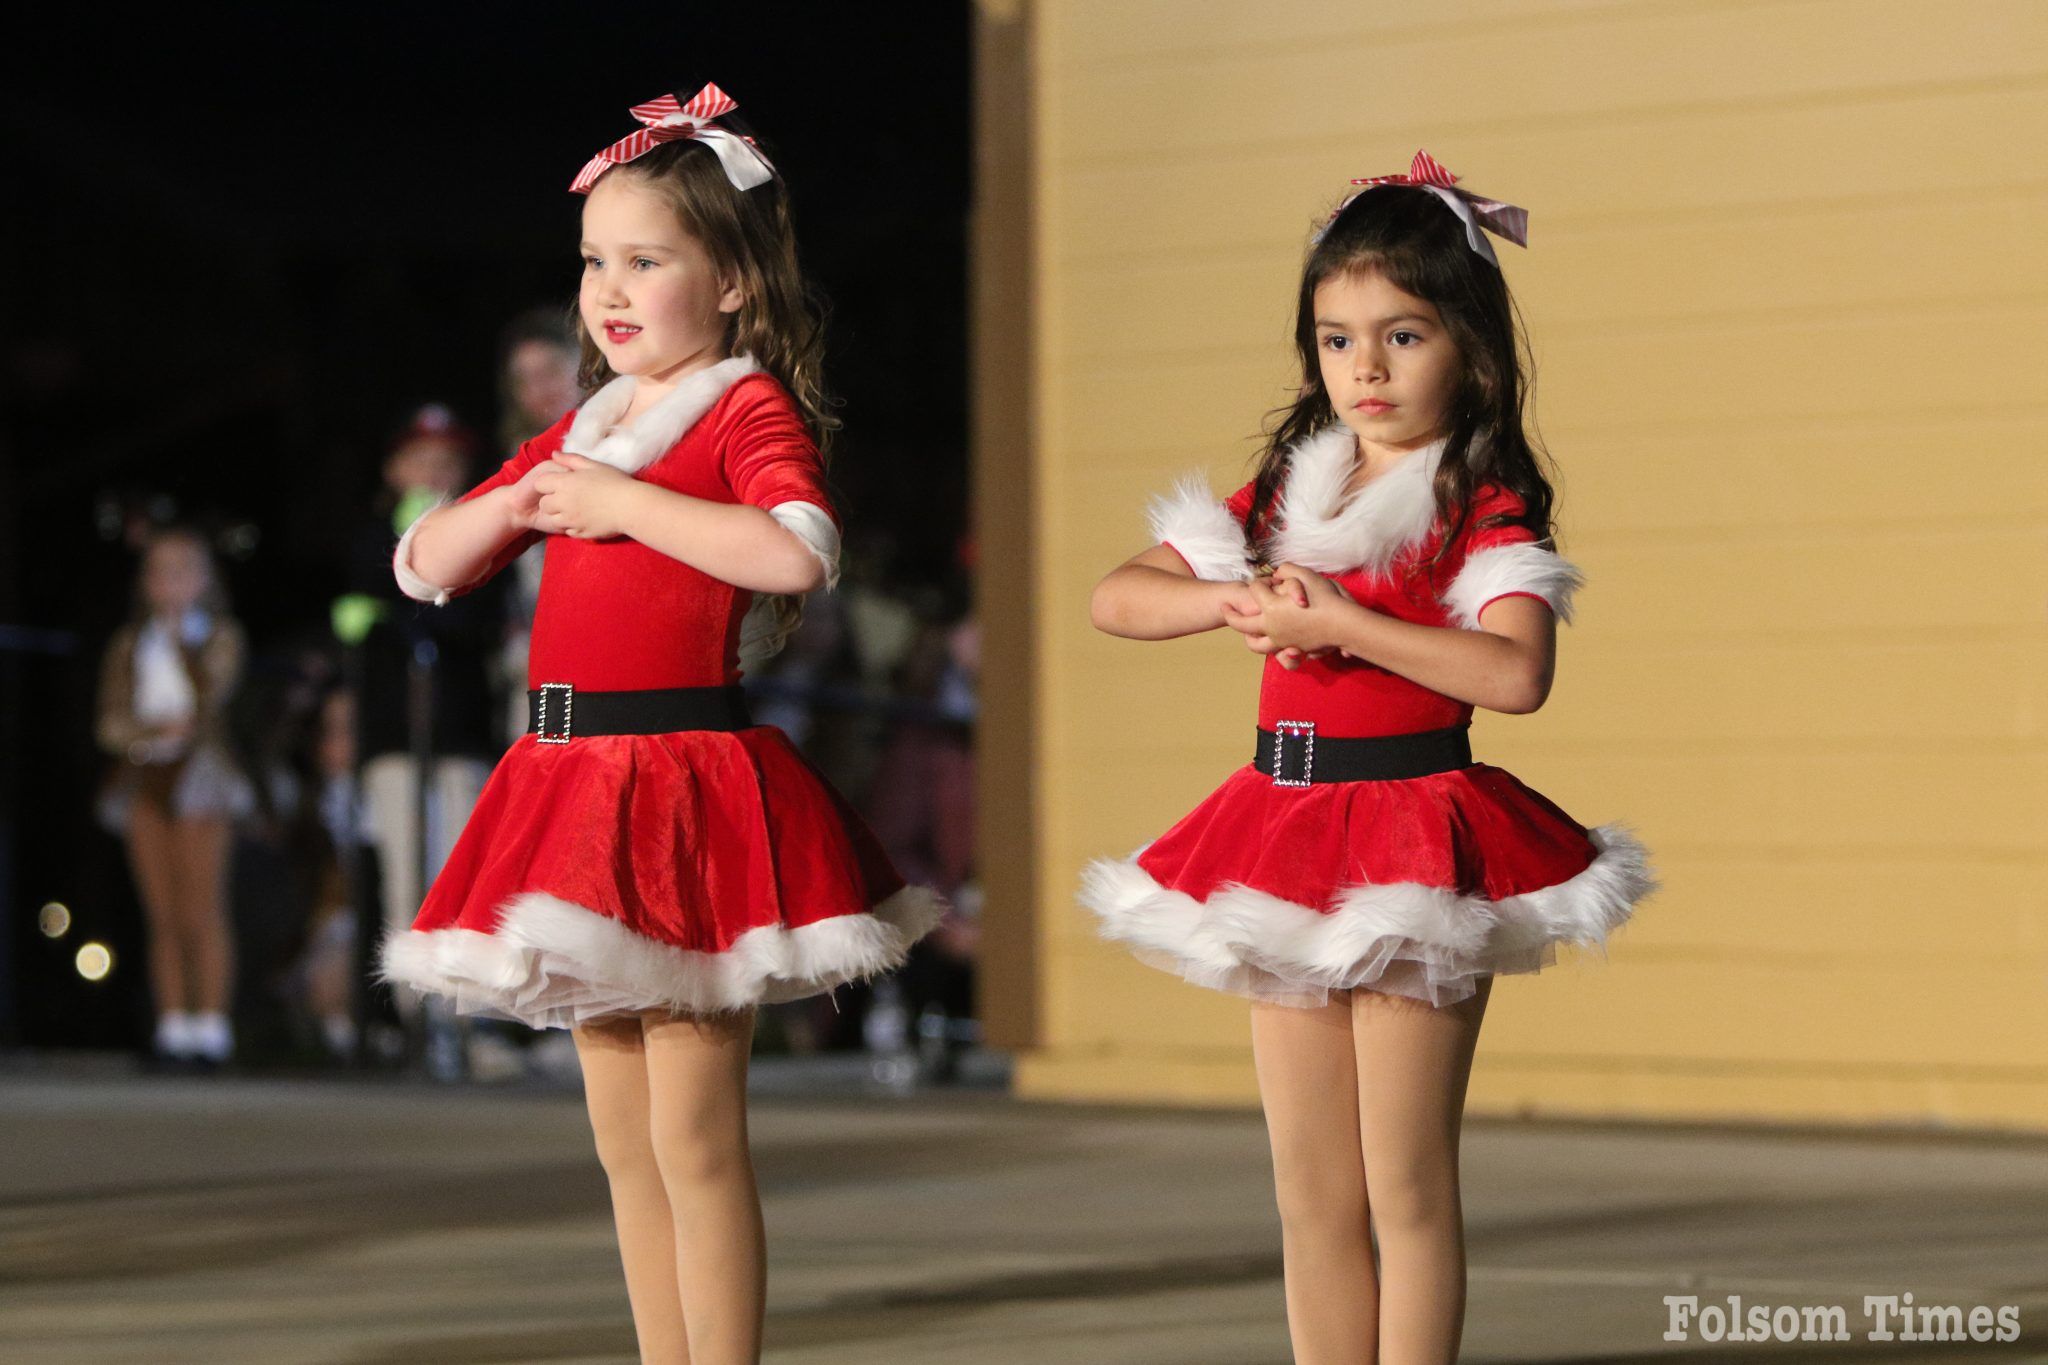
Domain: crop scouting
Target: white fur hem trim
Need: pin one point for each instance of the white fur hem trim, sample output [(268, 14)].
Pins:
[(554, 964), (650, 435), (1399, 938), (1199, 528), (409, 581), (812, 525), (1489, 575)]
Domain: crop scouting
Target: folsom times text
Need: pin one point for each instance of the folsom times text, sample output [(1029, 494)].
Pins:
[(1892, 1317)]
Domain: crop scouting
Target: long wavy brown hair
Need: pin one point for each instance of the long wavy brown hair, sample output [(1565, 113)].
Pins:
[(1414, 241), (750, 236)]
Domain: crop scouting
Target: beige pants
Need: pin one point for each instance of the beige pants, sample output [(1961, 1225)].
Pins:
[(388, 796)]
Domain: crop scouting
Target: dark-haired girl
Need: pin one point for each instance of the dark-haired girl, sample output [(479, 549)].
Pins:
[(1364, 879), (646, 865)]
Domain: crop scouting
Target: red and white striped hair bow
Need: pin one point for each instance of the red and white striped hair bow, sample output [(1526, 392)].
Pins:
[(669, 119), (1427, 173)]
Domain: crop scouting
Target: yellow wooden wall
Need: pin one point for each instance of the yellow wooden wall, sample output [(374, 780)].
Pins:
[(1789, 299)]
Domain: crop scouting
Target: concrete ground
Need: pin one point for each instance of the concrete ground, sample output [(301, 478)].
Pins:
[(377, 1223)]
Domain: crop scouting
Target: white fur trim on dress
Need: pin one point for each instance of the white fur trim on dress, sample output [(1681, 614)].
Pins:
[(1398, 938), (1200, 529), (1325, 529), (812, 525), (1488, 575), (554, 964), (649, 436), (409, 581)]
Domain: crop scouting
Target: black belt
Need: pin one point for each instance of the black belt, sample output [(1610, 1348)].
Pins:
[(557, 711), (1302, 759)]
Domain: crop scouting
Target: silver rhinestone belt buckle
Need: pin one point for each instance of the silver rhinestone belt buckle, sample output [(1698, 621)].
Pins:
[(1305, 732), (565, 694)]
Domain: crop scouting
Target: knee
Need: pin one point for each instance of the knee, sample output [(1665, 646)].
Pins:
[(1319, 1195), (625, 1148), (699, 1149), (1412, 1193)]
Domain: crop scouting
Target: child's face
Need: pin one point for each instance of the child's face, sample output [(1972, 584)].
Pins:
[(651, 297), (174, 575), (425, 462), (1388, 363), (543, 381)]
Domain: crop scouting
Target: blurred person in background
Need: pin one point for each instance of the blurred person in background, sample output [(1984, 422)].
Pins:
[(173, 794), (324, 975), (922, 808), (429, 462), (537, 383), (291, 888)]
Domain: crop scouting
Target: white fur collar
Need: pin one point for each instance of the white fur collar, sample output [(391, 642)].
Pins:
[(1322, 529), (649, 436)]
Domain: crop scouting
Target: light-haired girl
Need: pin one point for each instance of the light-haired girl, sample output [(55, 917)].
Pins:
[(646, 865), (166, 680)]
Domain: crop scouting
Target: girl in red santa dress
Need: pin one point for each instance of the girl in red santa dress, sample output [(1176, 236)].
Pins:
[(1363, 880), (646, 866)]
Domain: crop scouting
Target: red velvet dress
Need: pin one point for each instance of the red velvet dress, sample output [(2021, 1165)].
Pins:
[(695, 871), (1417, 886)]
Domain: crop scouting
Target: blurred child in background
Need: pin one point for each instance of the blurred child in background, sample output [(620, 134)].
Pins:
[(165, 683)]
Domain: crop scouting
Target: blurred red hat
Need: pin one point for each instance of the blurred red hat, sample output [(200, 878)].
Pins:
[(436, 421)]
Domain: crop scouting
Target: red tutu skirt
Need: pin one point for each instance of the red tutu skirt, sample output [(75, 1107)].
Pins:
[(693, 872), (1417, 886)]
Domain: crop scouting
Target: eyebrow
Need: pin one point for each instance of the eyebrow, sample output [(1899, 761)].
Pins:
[(635, 246), (1383, 322)]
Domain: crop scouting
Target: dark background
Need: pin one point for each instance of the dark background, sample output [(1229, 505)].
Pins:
[(242, 244)]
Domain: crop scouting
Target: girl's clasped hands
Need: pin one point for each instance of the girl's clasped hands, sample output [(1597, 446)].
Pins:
[(571, 495), (1293, 614)]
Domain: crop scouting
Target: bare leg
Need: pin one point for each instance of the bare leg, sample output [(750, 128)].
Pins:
[(615, 1087), (1413, 1065), (697, 1092), (1308, 1083), (153, 861), (202, 851)]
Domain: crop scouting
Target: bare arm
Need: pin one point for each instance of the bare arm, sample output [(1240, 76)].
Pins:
[(736, 543), (452, 546), (1155, 596), (1507, 665), (733, 542)]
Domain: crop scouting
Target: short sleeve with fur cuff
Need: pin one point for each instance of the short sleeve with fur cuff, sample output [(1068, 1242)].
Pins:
[(1506, 560), (772, 463), (1205, 532)]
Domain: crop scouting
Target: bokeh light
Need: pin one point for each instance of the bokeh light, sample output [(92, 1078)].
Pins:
[(95, 962)]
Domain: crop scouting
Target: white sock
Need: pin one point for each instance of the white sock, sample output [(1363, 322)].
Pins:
[(174, 1033), (211, 1036), (340, 1032)]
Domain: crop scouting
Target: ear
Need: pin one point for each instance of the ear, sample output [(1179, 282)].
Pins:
[(733, 299)]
